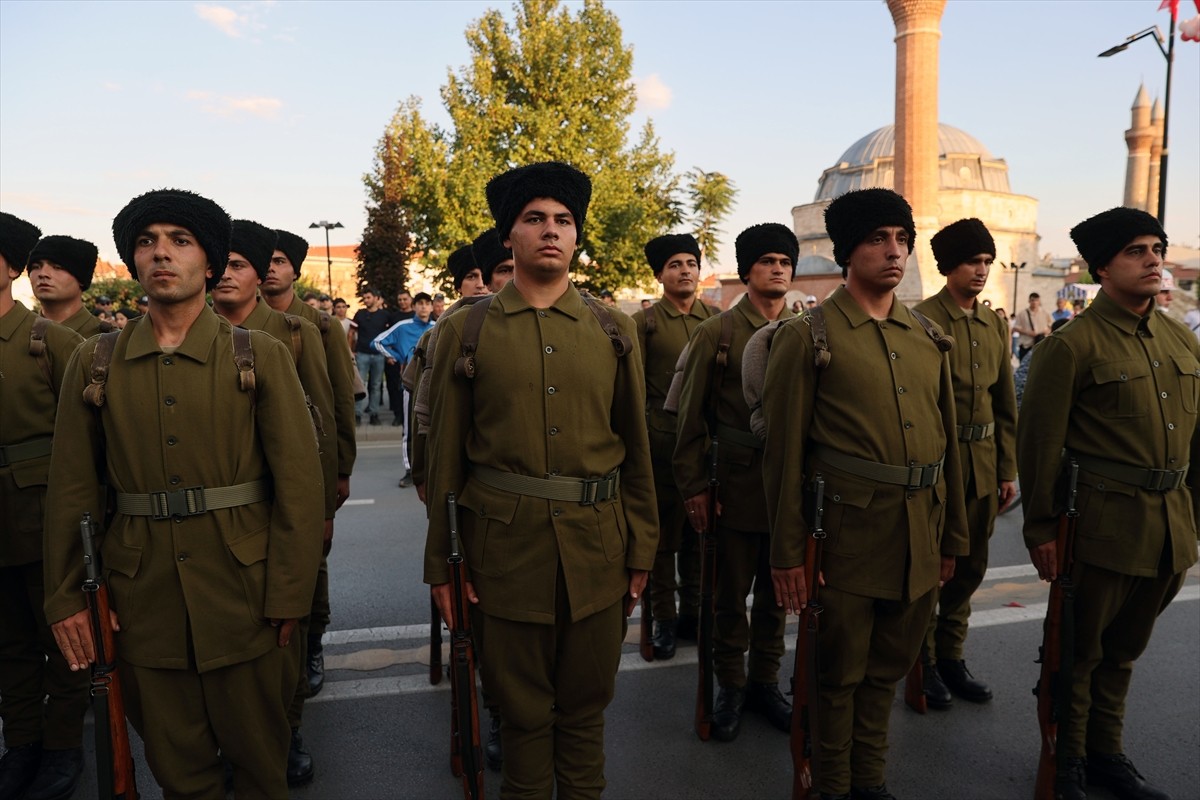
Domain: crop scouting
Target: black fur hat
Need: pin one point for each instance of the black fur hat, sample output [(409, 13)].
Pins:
[(207, 221), (255, 243), (511, 191), (17, 238), (460, 262), (294, 247), (853, 216), (660, 249), (959, 242), (489, 251), (1101, 237), (757, 240), (76, 256)]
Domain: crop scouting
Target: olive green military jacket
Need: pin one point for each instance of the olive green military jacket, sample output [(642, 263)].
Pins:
[(27, 405), (171, 421), (743, 504), (886, 396), (660, 352), (981, 369), (421, 368), (550, 398), (341, 377), (85, 323), (1114, 385), (313, 370)]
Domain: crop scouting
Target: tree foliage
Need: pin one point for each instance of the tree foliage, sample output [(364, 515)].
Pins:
[(124, 292), (551, 85), (711, 196)]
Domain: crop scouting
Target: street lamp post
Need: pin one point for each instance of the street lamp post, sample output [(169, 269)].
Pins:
[(328, 256), (1016, 271), (1169, 54)]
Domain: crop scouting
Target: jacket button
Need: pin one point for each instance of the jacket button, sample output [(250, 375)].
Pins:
[(899, 390), (171, 440), (170, 401), (549, 349), (907, 425), (551, 390), (183, 556), (174, 480), (558, 512), (554, 431), (1163, 395), (167, 361)]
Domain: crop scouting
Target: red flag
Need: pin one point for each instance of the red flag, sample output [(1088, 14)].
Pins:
[(1171, 4)]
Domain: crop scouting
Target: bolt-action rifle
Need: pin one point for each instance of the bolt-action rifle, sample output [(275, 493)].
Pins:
[(646, 638), (466, 755), (114, 760), (1057, 651), (708, 580), (805, 681)]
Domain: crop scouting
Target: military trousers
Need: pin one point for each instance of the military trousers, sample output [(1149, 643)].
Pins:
[(1114, 617), (678, 545), (743, 564), (948, 627), (312, 625), (866, 646), (185, 717), (41, 699), (553, 683)]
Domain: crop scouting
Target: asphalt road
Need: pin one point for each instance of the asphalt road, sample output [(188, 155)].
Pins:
[(380, 730)]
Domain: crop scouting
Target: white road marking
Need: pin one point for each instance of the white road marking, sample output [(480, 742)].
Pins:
[(1015, 571), (366, 501)]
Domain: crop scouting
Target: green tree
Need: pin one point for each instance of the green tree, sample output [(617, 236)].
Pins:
[(711, 196), (124, 292), (551, 85)]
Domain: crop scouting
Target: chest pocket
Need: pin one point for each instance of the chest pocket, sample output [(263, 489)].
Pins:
[(1124, 388), (1189, 381)]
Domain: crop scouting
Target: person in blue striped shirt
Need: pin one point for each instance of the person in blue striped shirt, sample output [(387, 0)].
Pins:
[(397, 344)]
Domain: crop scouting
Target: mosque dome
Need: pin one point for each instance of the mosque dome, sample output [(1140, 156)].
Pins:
[(963, 163)]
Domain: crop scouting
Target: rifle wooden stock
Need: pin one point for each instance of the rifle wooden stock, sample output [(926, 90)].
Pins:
[(1057, 652), (435, 643), (804, 738), (645, 635), (708, 580), (466, 754), (114, 759), (914, 688)]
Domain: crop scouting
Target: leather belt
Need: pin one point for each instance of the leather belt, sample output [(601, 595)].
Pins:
[(585, 491), (918, 476), (191, 501), (36, 448), (1152, 480), (727, 433), (973, 433)]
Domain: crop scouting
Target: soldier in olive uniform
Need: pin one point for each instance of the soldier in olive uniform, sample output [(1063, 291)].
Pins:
[(290, 251), (558, 537), (663, 331), (1115, 391), (212, 553), (44, 753), (60, 271), (878, 425), (766, 257), (986, 409), (235, 297)]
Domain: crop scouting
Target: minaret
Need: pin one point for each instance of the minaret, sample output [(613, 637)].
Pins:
[(918, 33), (1156, 144), (1138, 138)]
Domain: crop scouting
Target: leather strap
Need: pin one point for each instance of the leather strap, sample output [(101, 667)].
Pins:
[(918, 476), (35, 448), (728, 433), (191, 501), (1152, 480), (585, 491)]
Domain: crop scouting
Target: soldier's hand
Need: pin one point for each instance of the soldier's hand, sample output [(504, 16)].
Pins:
[(1008, 493), (697, 511), (420, 487), (74, 638), (327, 538), (637, 584), (1045, 560), (343, 489), (286, 628), (947, 570), (791, 590), (441, 596)]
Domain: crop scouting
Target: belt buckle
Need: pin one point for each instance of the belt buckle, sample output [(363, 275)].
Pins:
[(1162, 480), (168, 505), (923, 476), (589, 490)]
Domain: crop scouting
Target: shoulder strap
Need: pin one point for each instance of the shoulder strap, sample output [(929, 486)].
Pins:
[(651, 321), (94, 392), (243, 356), (294, 324), (944, 343), (323, 321), (718, 369), (620, 342), (464, 367), (37, 347), (815, 318)]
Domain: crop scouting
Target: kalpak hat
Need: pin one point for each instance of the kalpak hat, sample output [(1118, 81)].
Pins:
[(17, 238), (854, 216), (758, 240), (256, 243), (76, 256), (207, 221), (959, 242), (489, 251), (294, 247), (460, 262), (660, 249), (1101, 237), (511, 191)]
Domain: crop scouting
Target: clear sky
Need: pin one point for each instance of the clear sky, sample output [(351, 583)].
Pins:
[(273, 108)]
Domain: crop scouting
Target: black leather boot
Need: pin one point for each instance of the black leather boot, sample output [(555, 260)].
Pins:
[(664, 639), (937, 695), (766, 699), (57, 775), (18, 768), (492, 751), (316, 665), (300, 764), (687, 627), (879, 792), (727, 713), (959, 680), (1069, 781), (1118, 774)]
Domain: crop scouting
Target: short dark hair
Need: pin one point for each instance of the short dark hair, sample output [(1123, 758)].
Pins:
[(422, 296), (337, 300), (309, 296), (369, 290), (1034, 296)]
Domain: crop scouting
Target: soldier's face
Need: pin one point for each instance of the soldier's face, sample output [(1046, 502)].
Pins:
[(171, 265), (239, 283), (280, 276), (52, 282), (501, 275), (680, 275), (877, 263), (771, 275), (969, 278), (1135, 272), (472, 284), (543, 238)]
